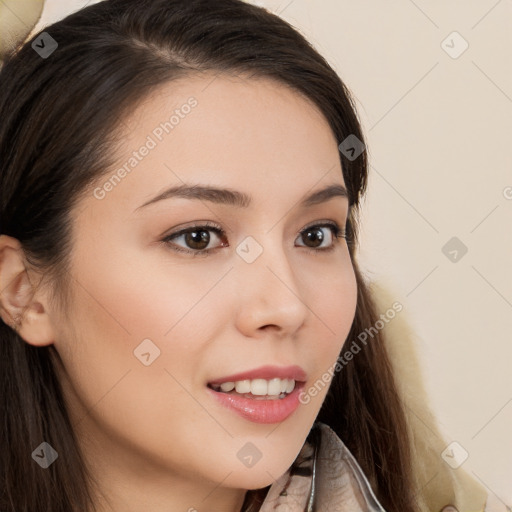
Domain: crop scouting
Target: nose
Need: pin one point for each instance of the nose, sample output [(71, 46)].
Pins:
[(269, 293)]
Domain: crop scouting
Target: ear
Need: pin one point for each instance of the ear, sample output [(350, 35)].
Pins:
[(20, 304)]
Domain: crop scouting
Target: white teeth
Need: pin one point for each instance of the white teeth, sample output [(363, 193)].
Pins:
[(227, 386), (243, 386), (274, 387), (258, 387)]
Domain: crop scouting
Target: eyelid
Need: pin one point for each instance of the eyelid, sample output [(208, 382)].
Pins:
[(193, 225), (320, 222)]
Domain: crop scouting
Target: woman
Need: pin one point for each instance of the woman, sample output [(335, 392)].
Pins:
[(180, 186)]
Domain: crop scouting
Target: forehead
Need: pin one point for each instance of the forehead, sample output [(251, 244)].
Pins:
[(230, 114), (251, 134)]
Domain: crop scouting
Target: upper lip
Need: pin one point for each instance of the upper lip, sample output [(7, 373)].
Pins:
[(266, 372)]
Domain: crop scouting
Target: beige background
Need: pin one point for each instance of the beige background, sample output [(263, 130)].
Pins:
[(439, 136)]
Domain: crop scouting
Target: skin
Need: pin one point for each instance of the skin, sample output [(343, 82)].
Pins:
[(152, 436)]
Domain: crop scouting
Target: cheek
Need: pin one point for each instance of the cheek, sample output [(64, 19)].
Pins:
[(332, 296), (108, 385), (141, 296), (333, 306), (129, 311)]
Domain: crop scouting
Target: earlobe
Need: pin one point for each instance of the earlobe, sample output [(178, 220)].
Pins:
[(20, 307)]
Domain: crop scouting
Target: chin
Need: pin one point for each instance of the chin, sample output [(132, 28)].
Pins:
[(259, 476), (254, 481)]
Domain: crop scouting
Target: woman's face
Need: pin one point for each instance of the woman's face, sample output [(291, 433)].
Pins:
[(153, 322)]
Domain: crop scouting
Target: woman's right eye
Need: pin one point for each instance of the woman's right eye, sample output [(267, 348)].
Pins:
[(196, 239)]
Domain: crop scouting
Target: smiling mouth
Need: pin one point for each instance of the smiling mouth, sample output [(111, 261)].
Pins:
[(257, 389)]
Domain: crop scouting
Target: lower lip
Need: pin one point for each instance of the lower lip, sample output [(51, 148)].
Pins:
[(261, 411)]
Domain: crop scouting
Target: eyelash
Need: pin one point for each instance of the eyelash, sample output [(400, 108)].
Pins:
[(207, 226)]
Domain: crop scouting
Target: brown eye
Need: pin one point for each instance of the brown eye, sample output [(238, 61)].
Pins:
[(314, 236), (195, 239)]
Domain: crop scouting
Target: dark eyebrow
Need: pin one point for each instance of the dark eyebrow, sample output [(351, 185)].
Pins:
[(240, 199)]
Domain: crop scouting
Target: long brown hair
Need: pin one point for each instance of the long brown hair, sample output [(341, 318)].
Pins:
[(59, 118)]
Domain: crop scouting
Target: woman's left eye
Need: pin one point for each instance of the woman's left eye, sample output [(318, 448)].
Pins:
[(315, 234), (197, 238)]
